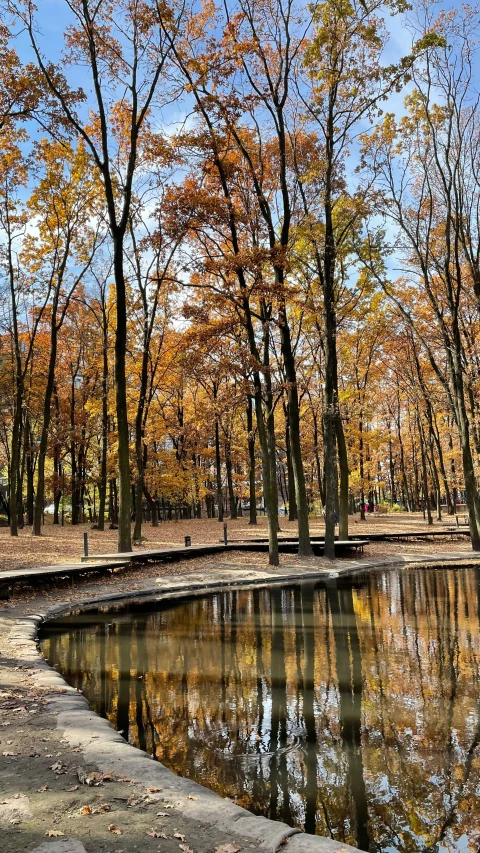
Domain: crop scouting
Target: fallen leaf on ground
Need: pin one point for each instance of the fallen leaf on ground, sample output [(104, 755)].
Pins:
[(153, 833), (42, 789), (227, 848), (85, 810), (108, 776), (54, 833), (186, 848), (58, 768), (162, 814), (115, 829), (73, 788), (102, 808), (191, 797), (153, 790), (179, 836)]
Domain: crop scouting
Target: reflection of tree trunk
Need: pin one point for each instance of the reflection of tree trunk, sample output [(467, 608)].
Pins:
[(102, 642), (451, 813), (141, 669), (223, 680), (416, 598), (259, 791), (309, 711), (299, 644), (476, 739), (278, 730), (349, 675), (124, 652), (259, 658)]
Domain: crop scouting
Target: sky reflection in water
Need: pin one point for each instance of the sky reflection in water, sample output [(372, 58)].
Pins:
[(350, 710)]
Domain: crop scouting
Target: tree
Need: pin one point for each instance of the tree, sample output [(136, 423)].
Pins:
[(124, 52)]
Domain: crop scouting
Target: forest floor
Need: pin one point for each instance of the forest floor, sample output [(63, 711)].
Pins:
[(42, 801), (65, 544)]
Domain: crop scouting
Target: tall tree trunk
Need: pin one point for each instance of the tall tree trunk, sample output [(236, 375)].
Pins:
[(124, 513), (30, 469), (292, 498), (361, 465), (102, 486), (251, 463), (228, 466), (344, 491), (18, 401), (330, 318), (304, 546), (441, 462), (434, 470), (426, 497), (57, 467), (42, 452), (391, 465), (318, 466), (73, 451), (402, 455), (218, 472)]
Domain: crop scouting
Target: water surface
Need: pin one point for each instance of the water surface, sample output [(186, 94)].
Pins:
[(350, 710)]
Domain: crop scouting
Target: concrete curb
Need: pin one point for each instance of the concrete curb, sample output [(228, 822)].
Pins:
[(105, 748)]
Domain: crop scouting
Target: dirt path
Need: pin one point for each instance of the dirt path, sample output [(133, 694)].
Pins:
[(65, 544)]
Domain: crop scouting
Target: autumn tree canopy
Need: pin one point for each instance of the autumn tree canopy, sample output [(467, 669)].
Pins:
[(239, 262)]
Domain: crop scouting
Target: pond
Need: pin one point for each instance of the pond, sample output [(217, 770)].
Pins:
[(349, 709)]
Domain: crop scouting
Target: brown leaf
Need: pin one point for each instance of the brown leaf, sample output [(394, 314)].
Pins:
[(85, 810), (179, 836), (101, 809), (42, 789), (115, 829), (227, 848), (153, 790), (153, 833), (186, 848), (108, 776), (73, 788), (54, 833)]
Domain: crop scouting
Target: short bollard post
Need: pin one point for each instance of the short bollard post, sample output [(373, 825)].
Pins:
[(225, 534), (188, 541), (85, 544)]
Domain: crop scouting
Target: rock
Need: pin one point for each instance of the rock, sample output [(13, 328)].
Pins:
[(14, 810), (61, 845)]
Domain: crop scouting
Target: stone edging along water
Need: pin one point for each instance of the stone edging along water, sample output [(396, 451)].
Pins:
[(103, 747)]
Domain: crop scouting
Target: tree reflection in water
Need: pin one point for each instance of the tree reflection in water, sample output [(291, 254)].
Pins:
[(347, 709)]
